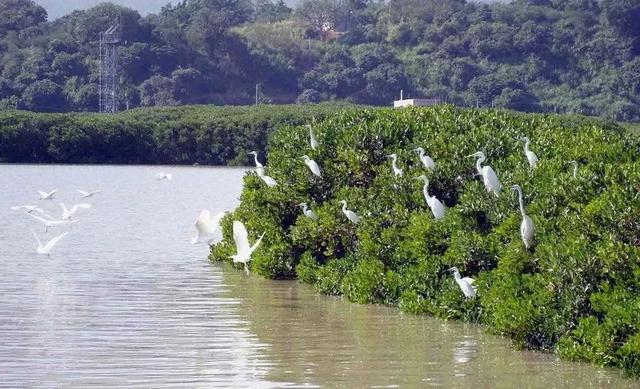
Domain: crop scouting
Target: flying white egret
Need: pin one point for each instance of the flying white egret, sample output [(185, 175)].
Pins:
[(489, 176), (259, 166), (526, 228), (426, 160), (163, 176), (313, 166), (396, 171), (67, 213), (465, 284), (47, 196), (437, 208), (308, 212), (312, 138), (241, 237), (575, 168), (355, 219), (46, 249), (52, 223), (28, 208), (84, 194), (531, 156), (208, 229)]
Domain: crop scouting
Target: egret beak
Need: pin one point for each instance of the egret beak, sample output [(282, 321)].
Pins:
[(472, 155)]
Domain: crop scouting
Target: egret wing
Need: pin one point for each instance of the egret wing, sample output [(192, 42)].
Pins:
[(54, 241), (468, 280), (83, 193), (78, 206), (42, 194), (241, 237)]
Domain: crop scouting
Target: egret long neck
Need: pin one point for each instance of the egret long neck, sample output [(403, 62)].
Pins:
[(456, 274), (255, 158), (521, 202), (526, 146), (344, 207), (479, 164), (425, 190)]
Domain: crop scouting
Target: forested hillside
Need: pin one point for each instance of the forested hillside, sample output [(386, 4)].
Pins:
[(572, 56)]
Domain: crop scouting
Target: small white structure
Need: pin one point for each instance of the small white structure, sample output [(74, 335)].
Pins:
[(415, 102)]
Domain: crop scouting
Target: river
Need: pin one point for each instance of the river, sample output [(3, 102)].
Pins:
[(124, 300)]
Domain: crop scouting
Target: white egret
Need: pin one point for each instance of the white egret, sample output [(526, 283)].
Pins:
[(259, 166), (526, 228), (67, 213), (46, 249), (313, 166), (531, 156), (396, 171), (28, 208), (208, 229), (575, 168), (163, 176), (308, 212), (489, 176), (84, 194), (52, 223), (47, 196), (437, 208), (465, 284), (269, 181), (241, 237), (355, 219), (312, 138), (426, 160)]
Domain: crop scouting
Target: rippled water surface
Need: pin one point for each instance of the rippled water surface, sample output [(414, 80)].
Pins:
[(124, 300)]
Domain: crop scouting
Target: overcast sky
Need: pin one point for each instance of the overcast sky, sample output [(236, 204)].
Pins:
[(57, 8)]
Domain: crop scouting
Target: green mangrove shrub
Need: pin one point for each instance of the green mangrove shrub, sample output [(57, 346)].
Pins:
[(168, 135), (576, 291)]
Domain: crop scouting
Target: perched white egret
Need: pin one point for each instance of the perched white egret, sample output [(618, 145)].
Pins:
[(426, 160), (46, 249), (47, 196), (489, 176), (465, 284), (437, 208), (312, 138), (531, 156), (259, 166), (526, 228), (67, 213), (51, 223), (313, 166), (241, 237), (355, 219), (308, 212), (208, 229), (269, 181), (163, 176), (575, 168), (84, 194), (396, 171)]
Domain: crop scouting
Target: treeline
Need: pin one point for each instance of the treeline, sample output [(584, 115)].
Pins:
[(169, 135), (574, 291), (571, 56)]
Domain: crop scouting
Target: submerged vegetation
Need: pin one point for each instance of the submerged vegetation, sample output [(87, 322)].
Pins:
[(575, 291), (170, 135)]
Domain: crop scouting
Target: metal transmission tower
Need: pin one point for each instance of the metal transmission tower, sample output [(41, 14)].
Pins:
[(109, 69)]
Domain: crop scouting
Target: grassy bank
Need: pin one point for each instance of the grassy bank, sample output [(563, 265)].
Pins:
[(171, 135), (634, 128), (575, 292)]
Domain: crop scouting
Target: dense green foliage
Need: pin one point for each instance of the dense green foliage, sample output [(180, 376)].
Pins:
[(573, 56), (171, 135), (576, 291)]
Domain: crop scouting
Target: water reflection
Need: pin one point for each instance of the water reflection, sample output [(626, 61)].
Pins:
[(332, 343)]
